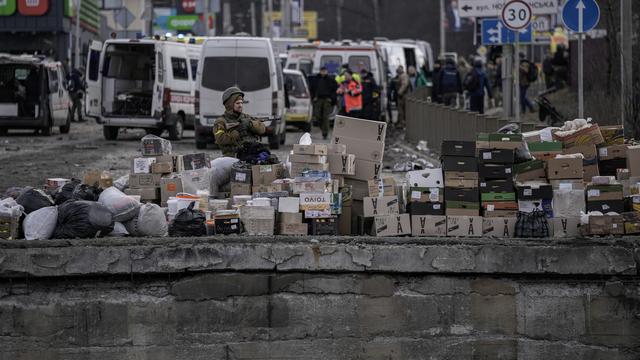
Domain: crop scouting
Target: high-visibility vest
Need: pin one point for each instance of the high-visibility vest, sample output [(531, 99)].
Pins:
[(352, 102)]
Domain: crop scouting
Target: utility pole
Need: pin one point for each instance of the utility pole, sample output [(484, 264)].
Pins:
[(516, 74), (626, 68), (376, 16), (285, 23), (507, 81), (253, 19), (270, 5), (205, 16), (443, 35), (76, 62), (339, 18)]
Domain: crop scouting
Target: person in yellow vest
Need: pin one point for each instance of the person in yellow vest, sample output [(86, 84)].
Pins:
[(351, 90)]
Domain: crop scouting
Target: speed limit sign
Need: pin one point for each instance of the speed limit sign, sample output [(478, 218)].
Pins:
[(516, 15)]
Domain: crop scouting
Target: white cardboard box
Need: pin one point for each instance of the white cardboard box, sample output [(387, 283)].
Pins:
[(499, 227), (289, 205), (392, 225), (425, 178), (315, 201), (428, 225), (378, 206), (469, 226)]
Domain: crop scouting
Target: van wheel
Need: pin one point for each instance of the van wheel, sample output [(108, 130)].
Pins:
[(64, 129), (175, 131), (274, 141), (110, 132)]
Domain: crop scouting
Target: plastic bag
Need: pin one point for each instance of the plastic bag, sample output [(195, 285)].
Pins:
[(83, 219), (86, 192), (119, 230), (40, 224), (305, 139), (122, 182), (34, 199), (65, 192), (194, 180), (221, 169), (9, 207), (13, 192), (188, 222), (123, 207), (151, 221)]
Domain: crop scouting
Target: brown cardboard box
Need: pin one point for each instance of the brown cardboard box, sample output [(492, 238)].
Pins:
[(382, 187), (362, 149), (428, 225), (460, 175), (613, 152), (384, 205), (426, 195), (344, 164), (294, 229), (298, 168), (461, 183), (169, 187), (565, 227), (606, 225), (263, 188), (313, 149), (344, 221), (605, 192), (266, 174), (633, 160), (336, 149), (613, 134), (359, 189), (91, 177), (366, 170), (155, 145), (589, 151), (195, 161), (290, 218), (315, 201), (358, 128), (590, 171), (161, 168), (469, 226), (146, 194), (310, 159), (587, 136), (631, 222), (320, 186), (240, 189), (462, 212), (289, 205), (565, 169), (499, 227), (392, 225), (137, 181), (175, 160)]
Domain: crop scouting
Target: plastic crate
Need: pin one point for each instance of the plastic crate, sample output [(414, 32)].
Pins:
[(9, 227)]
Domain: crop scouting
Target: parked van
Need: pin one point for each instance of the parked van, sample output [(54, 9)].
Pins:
[(33, 94), (146, 83), (358, 57), (301, 57), (300, 108), (250, 64), (399, 53)]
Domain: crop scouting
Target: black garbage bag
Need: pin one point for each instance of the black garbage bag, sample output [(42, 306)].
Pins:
[(83, 219), (532, 225), (34, 199), (86, 192), (66, 191), (188, 222), (256, 154)]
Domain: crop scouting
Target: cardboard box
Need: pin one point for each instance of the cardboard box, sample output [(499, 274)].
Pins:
[(461, 182), (315, 201), (505, 141), (530, 170), (227, 224), (294, 229), (358, 128), (142, 165), (323, 227), (610, 167), (161, 168), (336, 149), (482, 142), (499, 227), (154, 145), (606, 225), (496, 156), (290, 218), (498, 196), (195, 180), (492, 206), (590, 171), (146, 194), (453, 176), (266, 174), (428, 225), (426, 208), (494, 186), (468, 226), (631, 222), (534, 190), (313, 149), (319, 186), (336, 204), (459, 164), (419, 194), (359, 189), (612, 152), (55, 183), (565, 169), (318, 214), (176, 161), (613, 135), (240, 189), (532, 137), (138, 181), (94, 177), (311, 159), (495, 171), (425, 178), (635, 202), (384, 205), (344, 221), (362, 149), (589, 151), (241, 175), (587, 136), (382, 187), (461, 208), (460, 194), (458, 148), (607, 206), (392, 225), (545, 150), (633, 160), (366, 170), (567, 184), (169, 187), (195, 161), (568, 203), (298, 169), (344, 164), (289, 205), (604, 192), (564, 227)]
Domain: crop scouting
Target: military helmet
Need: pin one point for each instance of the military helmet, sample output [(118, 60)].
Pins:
[(226, 95)]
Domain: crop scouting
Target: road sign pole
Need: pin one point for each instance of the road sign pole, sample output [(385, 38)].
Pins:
[(580, 77), (507, 81), (516, 74)]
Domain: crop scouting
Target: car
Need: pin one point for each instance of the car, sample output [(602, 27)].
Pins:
[(250, 64), (33, 94), (141, 83), (300, 109)]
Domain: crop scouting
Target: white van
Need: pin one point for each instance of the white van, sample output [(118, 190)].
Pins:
[(301, 57), (401, 53), (33, 94), (145, 83), (250, 64), (300, 109)]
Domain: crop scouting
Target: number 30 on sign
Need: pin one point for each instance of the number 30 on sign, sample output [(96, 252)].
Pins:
[(516, 15)]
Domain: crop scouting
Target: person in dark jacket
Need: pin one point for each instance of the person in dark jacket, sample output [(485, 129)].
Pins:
[(449, 83), (370, 96), (476, 96), (435, 78), (323, 92), (547, 69), (235, 128), (76, 89)]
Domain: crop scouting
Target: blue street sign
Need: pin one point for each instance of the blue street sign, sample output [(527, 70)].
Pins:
[(580, 15), (495, 33)]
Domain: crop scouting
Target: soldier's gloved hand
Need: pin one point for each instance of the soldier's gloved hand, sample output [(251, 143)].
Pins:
[(234, 135)]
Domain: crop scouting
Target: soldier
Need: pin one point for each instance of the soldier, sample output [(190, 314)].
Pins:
[(235, 128)]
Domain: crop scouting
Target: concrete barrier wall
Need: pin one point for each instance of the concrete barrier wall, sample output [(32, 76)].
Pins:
[(338, 298)]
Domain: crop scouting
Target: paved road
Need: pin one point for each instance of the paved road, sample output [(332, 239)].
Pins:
[(27, 159)]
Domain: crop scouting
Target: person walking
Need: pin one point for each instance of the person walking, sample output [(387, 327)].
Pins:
[(76, 90), (435, 79), (548, 71), (235, 128), (449, 83), (528, 75), (323, 92), (476, 83), (351, 91), (370, 96), (402, 89)]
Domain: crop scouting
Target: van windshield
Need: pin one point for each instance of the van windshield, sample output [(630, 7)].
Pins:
[(247, 73), (296, 86)]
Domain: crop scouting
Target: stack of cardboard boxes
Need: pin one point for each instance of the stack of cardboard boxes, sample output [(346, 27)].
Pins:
[(426, 202)]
